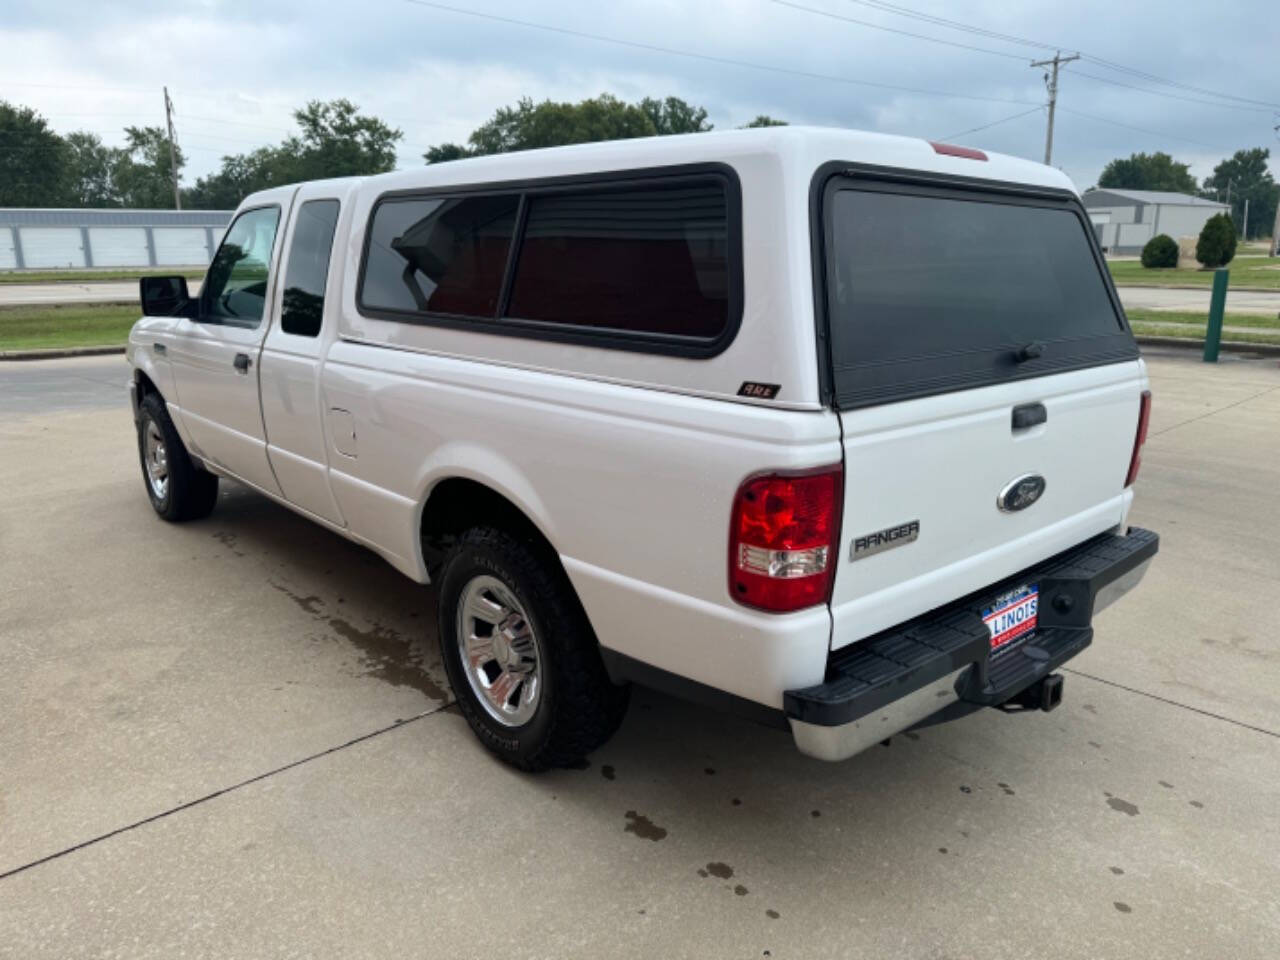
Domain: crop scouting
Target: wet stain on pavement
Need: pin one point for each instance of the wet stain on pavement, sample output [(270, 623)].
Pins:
[(964, 789), (703, 873), (942, 850), (386, 654), (1122, 806), (710, 771), (607, 772), (740, 890), (1166, 784), (1095, 744), (1239, 644), (1122, 907), (721, 870), (1117, 871), (815, 813), (1091, 708), (772, 914), (736, 802), (643, 827), (228, 540), (1008, 790), (1197, 804)]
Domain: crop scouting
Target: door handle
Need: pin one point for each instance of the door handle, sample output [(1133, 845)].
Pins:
[(241, 362), (1029, 415)]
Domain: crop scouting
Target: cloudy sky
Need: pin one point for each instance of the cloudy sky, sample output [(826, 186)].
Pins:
[(1198, 82)]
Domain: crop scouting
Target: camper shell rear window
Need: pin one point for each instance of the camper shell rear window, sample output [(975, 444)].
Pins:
[(931, 286)]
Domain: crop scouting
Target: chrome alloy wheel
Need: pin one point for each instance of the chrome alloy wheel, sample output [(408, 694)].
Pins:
[(156, 458), (499, 651)]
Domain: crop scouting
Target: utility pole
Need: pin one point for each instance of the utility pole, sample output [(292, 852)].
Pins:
[(1051, 81), (1244, 231), (173, 153)]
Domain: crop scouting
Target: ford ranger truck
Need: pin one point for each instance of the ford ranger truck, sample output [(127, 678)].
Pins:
[(833, 429)]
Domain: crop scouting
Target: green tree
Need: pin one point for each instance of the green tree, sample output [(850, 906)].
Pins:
[(33, 160), (1248, 177), (1217, 244), (529, 125), (334, 140), (142, 173), (763, 120), (90, 172), (673, 115), (1141, 171)]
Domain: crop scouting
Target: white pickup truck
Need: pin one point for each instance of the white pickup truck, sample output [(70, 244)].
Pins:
[(835, 429)]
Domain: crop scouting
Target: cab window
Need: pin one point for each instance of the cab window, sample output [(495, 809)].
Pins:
[(235, 289), (308, 269)]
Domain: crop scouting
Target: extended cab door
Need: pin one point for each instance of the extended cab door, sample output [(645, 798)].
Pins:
[(988, 386), (215, 355), (292, 399)]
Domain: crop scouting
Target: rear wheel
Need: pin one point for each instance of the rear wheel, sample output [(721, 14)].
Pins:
[(177, 488), (521, 657)]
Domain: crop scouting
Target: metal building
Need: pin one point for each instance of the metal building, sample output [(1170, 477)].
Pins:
[(52, 239), (1125, 220)]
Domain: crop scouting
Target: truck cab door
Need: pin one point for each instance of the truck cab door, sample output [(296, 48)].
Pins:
[(215, 355), (307, 300)]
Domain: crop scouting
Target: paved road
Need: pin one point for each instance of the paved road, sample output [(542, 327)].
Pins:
[(230, 738), (1162, 298), (1150, 298), (106, 291)]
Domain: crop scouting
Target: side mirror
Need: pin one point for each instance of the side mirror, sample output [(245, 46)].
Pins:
[(164, 296)]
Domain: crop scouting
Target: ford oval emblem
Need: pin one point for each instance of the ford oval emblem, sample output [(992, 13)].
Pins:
[(1021, 493)]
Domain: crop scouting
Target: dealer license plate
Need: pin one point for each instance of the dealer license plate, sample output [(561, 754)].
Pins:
[(1012, 616)]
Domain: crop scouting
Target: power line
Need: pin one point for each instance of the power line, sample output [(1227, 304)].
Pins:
[(1075, 72), (1154, 133), (706, 57), (1011, 38), (993, 123), (904, 33)]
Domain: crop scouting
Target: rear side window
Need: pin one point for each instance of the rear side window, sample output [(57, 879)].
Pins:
[(649, 263), (443, 255), (641, 259), (937, 290), (308, 270)]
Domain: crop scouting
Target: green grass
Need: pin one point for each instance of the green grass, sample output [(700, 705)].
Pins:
[(47, 328), (1261, 273), (81, 276), (1191, 326)]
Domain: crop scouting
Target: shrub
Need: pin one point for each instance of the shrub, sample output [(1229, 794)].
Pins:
[(1160, 251), (1217, 243)]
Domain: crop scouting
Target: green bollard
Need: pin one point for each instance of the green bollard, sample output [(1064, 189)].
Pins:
[(1217, 304)]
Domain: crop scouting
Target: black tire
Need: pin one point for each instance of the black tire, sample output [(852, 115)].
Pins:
[(190, 492), (578, 706)]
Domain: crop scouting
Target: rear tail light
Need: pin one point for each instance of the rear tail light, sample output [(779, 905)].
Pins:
[(783, 539), (1144, 419)]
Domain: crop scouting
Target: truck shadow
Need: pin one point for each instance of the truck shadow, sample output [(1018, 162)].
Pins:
[(715, 765)]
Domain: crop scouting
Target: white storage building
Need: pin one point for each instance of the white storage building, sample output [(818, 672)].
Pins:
[(1125, 220), (48, 239)]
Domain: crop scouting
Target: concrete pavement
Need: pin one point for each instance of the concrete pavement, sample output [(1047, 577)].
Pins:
[(1263, 303), (229, 738)]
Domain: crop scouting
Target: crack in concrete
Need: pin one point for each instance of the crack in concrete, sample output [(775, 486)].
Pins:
[(218, 793)]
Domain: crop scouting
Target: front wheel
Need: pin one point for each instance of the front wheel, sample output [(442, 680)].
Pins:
[(178, 489), (521, 657)]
